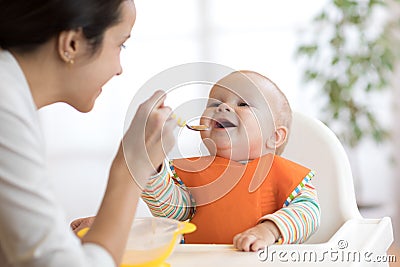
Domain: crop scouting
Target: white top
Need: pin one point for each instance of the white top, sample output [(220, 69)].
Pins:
[(33, 228)]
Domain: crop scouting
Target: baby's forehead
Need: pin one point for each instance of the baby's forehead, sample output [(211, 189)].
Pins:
[(244, 87)]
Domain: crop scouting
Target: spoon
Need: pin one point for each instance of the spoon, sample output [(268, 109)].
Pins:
[(190, 127), (197, 127)]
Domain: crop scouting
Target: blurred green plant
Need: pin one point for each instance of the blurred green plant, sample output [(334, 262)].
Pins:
[(351, 54)]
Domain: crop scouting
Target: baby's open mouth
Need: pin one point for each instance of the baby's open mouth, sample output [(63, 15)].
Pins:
[(223, 124)]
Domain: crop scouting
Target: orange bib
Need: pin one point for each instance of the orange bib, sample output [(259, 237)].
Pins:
[(231, 197)]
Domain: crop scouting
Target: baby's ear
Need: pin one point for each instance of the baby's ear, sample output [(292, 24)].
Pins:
[(278, 138)]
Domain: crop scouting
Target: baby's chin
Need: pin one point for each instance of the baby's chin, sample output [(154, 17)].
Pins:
[(229, 151)]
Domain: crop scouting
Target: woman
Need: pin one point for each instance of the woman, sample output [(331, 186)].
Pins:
[(65, 51)]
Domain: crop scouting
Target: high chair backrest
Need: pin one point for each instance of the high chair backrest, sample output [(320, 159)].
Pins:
[(312, 144)]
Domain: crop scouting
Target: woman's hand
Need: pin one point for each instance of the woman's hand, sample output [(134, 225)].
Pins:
[(143, 148), (149, 138), (79, 224)]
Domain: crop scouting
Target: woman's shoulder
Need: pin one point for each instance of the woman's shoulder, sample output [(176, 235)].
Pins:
[(18, 112), (16, 97), (14, 88)]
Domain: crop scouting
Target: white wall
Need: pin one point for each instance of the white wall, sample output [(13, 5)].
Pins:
[(243, 34)]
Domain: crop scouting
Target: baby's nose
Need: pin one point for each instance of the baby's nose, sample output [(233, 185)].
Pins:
[(224, 107)]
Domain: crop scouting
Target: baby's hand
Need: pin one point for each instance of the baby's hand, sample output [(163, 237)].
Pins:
[(257, 237)]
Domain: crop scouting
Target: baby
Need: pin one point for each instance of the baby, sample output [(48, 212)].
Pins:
[(243, 193)]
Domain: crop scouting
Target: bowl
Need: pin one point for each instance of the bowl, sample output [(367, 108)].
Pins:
[(152, 240)]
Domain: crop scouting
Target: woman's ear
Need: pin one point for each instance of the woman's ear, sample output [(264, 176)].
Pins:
[(69, 44), (278, 138)]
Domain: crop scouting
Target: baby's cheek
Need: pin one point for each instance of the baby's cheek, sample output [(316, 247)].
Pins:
[(204, 135), (210, 145), (205, 119)]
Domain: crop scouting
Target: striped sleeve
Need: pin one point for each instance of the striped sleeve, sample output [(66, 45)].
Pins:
[(300, 216), (166, 195)]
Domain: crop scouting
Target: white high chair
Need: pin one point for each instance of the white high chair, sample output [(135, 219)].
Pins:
[(313, 144), (354, 240)]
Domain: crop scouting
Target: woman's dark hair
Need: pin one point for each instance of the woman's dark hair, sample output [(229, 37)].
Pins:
[(26, 24)]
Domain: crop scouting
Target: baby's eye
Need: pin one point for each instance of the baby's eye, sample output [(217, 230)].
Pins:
[(213, 104), (243, 104)]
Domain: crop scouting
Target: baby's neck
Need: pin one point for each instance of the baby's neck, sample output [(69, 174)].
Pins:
[(244, 161)]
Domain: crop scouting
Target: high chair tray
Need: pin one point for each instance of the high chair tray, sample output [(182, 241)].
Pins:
[(359, 242)]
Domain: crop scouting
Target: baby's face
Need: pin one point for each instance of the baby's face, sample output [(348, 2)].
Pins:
[(239, 119)]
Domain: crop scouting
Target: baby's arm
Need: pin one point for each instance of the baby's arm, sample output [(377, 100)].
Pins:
[(294, 223), (167, 196)]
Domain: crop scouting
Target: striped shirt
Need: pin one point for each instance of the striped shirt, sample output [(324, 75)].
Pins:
[(167, 196)]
